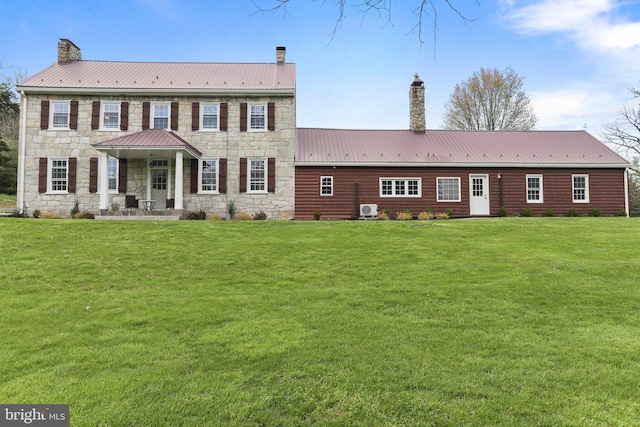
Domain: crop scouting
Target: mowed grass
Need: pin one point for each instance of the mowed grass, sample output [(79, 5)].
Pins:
[(514, 321)]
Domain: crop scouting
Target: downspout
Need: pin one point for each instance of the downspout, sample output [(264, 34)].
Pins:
[(22, 150), (626, 192)]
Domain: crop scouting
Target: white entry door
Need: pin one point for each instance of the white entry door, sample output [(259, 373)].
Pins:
[(159, 188), (479, 195)]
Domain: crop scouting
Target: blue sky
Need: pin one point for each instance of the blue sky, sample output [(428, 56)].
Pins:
[(578, 57)]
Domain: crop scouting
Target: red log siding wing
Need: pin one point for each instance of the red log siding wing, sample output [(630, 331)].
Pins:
[(271, 115), (243, 116), (224, 113), (73, 115), (146, 114), (42, 175), (271, 170), (174, 115), (72, 174), (195, 115), (95, 115), (44, 114), (223, 176), (124, 115), (243, 174), (193, 185), (93, 175), (122, 176)]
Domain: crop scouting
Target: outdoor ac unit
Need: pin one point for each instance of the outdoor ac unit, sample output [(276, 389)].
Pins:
[(368, 210)]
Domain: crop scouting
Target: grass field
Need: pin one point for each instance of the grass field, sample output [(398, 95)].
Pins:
[(7, 201), (500, 322)]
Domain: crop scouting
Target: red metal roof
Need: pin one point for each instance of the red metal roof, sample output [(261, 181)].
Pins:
[(145, 76), (452, 148), (149, 139)]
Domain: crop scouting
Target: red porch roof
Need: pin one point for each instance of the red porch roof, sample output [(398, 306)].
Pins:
[(141, 144)]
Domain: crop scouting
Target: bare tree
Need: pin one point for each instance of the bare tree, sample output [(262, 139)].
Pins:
[(490, 100), (624, 133), (382, 8)]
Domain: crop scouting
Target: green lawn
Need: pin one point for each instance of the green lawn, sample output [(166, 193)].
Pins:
[(7, 201), (513, 321)]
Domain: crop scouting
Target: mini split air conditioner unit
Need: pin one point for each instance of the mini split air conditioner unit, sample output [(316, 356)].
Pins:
[(368, 211)]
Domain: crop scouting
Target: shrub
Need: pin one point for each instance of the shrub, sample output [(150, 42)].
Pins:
[(502, 212), (260, 216), (214, 218), (548, 212), (442, 215), (75, 209), (404, 216), (425, 215), (388, 212), (383, 216), (194, 216), (36, 213), (572, 213), (48, 215), (231, 209), (85, 215), (526, 212), (622, 213), (449, 212), (243, 216), (428, 210), (596, 212), (317, 214)]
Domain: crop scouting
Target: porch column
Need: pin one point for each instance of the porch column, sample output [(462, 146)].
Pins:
[(103, 177), (178, 191)]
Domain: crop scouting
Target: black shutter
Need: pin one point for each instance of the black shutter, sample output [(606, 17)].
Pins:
[(122, 175), (194, 176)]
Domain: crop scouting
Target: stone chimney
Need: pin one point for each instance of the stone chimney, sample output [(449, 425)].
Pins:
[(68, 52), (281, 54), (416, 106)]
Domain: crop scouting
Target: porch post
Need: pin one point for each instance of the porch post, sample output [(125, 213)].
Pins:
[(103, 176), (178, 184)]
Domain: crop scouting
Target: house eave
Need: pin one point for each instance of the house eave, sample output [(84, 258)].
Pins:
[(468, 165), (156, 91)]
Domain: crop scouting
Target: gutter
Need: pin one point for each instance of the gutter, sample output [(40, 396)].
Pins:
[(466, 165), (158, 91), (22, 150)]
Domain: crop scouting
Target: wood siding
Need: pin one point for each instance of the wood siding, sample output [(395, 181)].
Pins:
[(355, 185)]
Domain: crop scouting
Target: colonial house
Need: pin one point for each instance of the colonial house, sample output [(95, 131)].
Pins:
[(122, 137)]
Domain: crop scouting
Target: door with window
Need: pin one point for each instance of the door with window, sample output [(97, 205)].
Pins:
[(159, 188), (479, 195)]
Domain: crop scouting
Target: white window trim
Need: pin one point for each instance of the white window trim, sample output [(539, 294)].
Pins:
[(322, 178), (459, 189), (51, 113), (50, 176), (114, 191), (266, 116), (152, 114), (266, 175), (102, 115), (539, 176), (200, 162), (202, 128), (586, 190), (406, 180)]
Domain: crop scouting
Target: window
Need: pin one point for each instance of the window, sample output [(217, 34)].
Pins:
[(160, 118), (257, 175), (208, 176), (580, 188), (326, 186), (534, 189), (60, 115), (400, 187), (58, 175), (111, 116), (257, 117), (209, 117), (448, 189)]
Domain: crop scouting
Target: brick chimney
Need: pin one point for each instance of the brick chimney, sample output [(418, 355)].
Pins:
[(68, 52), (281, 54), (416, 106)]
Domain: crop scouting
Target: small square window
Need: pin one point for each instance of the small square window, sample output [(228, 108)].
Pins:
[(60, 115), (448, 189), (326, 186)]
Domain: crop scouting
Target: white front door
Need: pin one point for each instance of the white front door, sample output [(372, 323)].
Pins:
[(479, 195), (159, 188)]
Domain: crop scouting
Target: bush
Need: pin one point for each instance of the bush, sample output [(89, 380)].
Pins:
[(622, 213), (243, 216), (572, 213), (425, 215), (48, 215), (449, 212), (36, 213), (75, 209), (194, 216), (502, 212), (526, 212), (260, 216), (231, 209), (383, 216), (596, 212), (404, 216), (85, 215), (548, 212), (388, 212), (442, 215), (317, 214)]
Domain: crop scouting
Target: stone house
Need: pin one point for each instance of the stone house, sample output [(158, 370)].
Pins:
[(118, 137)]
